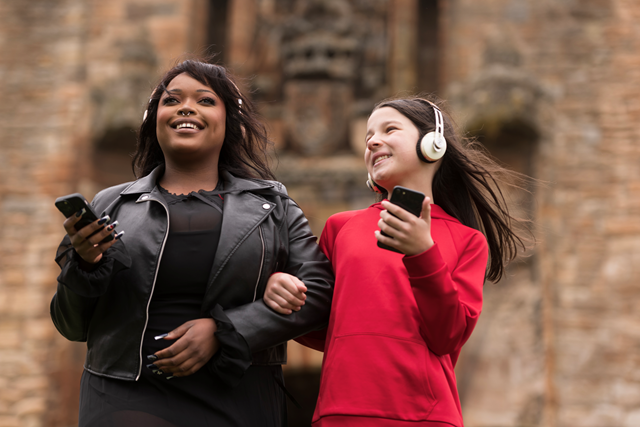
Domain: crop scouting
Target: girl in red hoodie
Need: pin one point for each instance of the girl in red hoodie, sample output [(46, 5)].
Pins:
[(399, 320)]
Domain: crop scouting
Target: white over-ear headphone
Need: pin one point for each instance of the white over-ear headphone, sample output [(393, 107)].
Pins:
[(372, 185), (432, 146)]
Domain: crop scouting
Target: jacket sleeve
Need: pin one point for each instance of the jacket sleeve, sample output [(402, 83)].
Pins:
[(449, 301), (317, 339), (262, 327), (79, 290)]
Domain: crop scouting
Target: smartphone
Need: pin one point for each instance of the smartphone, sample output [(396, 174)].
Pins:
[(75, 202), (407, 199)]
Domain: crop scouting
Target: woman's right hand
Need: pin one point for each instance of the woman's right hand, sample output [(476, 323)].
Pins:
[(285, 293), (88, 246)]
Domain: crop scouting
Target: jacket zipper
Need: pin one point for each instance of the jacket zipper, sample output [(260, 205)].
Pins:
[(153, 286), (255, 291)]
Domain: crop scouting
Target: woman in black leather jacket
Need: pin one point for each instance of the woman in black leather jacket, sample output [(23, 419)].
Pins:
[(172, 311)]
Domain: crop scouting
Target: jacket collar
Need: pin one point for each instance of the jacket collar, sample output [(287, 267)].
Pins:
[(145, 184), (232, 184)]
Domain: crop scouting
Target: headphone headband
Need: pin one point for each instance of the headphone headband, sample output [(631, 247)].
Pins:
[(432, 146)]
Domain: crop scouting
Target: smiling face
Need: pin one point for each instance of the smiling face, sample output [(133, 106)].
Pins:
[(190, 123), (390, 154)]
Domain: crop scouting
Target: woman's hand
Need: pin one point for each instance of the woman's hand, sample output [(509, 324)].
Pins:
[(87, 244), (408, 233), (195, 345), (285, 293)]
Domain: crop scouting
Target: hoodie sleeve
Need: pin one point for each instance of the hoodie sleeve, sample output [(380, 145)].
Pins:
[(449, 300)]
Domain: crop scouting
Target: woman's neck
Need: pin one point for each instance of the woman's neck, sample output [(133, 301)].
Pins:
[(185, 180), (422, 185)]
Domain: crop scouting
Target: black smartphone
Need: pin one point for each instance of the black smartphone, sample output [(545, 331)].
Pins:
[(407, 199), (73, 203)]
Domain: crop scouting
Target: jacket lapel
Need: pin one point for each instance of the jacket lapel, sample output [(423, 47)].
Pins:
[(242, 213)]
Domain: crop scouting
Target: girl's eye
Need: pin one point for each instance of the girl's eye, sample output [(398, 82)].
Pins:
[(391, 128), (169, 100), (208, 101)]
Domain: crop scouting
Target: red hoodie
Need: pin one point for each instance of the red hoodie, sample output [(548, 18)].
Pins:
[(397, 323)]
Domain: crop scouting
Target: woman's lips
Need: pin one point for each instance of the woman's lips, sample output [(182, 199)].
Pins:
[(186, 126), (379, 159)]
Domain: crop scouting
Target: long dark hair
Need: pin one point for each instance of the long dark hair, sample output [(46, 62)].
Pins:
[(467, 184), (244, 151)]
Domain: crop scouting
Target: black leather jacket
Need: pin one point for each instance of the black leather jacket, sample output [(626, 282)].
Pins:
[(263, 231)]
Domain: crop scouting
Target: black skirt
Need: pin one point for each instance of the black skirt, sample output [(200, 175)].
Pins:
[(196, 400)]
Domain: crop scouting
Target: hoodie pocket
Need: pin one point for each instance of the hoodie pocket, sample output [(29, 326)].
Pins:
[(378, 376)]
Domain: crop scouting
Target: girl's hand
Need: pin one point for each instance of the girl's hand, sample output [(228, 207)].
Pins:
[(407, 233), (195, 345), (285, 293), (89, 248)]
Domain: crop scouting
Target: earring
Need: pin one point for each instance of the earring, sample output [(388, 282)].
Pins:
[(372, 185)]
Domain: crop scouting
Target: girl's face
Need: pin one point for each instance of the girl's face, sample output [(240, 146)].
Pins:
[(390, 154), (191, 121)]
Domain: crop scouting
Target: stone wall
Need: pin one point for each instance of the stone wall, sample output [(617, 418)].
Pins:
[(557, 342), (563, 343)]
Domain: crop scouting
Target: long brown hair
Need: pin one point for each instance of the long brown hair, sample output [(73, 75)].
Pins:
[(244, 151), (467, 184)]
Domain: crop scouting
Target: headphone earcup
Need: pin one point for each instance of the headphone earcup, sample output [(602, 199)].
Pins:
[(372, 185), (429, 150)]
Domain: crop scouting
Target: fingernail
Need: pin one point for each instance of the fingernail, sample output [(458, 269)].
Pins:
[(158, 337), (152, 366), (152, 357), (170, 377), (112, 226), (103, 219), (158, 372), (80, 213), (119, 235)]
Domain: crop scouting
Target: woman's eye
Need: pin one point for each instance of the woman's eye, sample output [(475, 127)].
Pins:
[(169, 100), (208, 101)]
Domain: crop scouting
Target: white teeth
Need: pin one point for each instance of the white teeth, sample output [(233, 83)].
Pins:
[(186, 125), (381, 158)]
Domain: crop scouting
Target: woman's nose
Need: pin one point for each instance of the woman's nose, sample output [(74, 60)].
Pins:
[(186, 110), (373, 142)]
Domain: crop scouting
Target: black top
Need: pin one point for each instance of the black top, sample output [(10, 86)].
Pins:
[(200, 399)]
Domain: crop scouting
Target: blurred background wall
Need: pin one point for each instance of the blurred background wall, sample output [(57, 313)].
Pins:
[(551, 88)]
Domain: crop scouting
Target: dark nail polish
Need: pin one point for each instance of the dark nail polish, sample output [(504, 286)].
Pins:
[(152, 366), (159, 337), (103, 220), (152, 357), (119, 235), (80, 213), (112, 226)]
